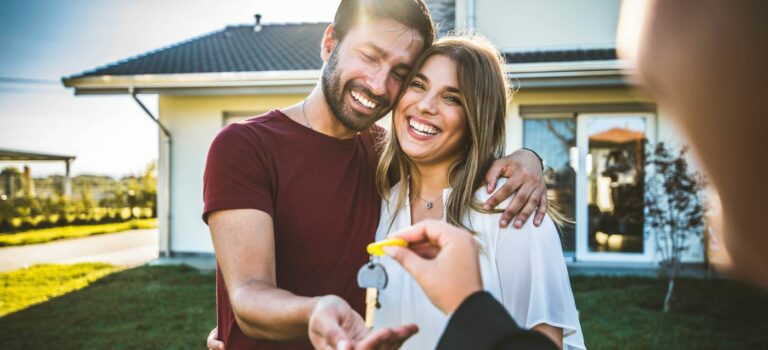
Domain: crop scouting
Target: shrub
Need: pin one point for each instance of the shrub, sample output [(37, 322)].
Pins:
[(675, 209)]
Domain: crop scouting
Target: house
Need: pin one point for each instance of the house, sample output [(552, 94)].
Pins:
[(11, 155), (573, 105)]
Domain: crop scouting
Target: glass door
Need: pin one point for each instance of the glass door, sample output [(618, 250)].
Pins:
[(554, 138), (610, 187)]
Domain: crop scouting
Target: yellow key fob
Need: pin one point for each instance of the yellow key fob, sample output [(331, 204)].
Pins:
[(375, 248)]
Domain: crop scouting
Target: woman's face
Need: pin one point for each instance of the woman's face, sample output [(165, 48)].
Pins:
[(429, 119)]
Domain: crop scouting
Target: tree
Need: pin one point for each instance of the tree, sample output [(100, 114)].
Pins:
[(675, 209), (148, 188)]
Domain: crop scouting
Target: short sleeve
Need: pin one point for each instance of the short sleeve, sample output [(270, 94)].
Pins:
[(534, 282), (238, 174)]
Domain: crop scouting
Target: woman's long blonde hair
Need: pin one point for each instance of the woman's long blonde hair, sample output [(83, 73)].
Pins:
[(485, 93)]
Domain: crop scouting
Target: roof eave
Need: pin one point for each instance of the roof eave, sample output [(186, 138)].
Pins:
[(19, 155), (196, 83), (607, 73)]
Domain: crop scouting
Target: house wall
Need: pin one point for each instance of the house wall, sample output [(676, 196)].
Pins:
[(518, 24), (193, 122)]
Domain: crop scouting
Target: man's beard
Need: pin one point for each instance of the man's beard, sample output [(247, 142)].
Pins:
[(335, 93)]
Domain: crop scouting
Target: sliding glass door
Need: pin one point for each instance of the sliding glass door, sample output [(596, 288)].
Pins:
[(595, 172), (610, 187)]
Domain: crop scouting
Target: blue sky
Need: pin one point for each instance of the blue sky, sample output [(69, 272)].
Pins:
[(42, 41)]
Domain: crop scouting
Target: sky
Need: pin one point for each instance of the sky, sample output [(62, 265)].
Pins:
[(42, 41)]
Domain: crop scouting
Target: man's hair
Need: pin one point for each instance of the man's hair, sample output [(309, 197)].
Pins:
[(412, 13)]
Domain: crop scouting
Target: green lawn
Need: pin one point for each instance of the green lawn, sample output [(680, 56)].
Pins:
[(174, 308), (22, 288), (162, 307), (75, 231), (624, 313)]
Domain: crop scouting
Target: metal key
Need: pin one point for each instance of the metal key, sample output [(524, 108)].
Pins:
[(373, 277)]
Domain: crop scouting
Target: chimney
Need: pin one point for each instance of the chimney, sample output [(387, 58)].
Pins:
[(257, 27)]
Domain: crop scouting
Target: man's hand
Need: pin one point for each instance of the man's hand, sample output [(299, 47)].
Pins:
[(526, 184), (449, 272), (213, 343), (334, 325)]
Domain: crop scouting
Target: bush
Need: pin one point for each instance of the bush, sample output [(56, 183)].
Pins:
[(94, 216)]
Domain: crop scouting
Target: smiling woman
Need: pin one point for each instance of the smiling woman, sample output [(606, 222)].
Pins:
[(449, 104), (430, 121), (448, 127)]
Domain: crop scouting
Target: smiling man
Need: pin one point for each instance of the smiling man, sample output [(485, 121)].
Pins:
[(290, 196)]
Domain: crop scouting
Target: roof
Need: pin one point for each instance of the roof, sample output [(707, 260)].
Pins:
[(284, 58), (277, 47), (16, 155)]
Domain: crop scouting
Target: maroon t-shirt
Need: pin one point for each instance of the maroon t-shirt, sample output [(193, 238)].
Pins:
[(321, 194)]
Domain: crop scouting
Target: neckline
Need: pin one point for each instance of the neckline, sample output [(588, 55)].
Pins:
[(316, 134), (407, 207), (446, 192)]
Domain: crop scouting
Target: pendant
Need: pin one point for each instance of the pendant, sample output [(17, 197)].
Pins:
[(429, 205)]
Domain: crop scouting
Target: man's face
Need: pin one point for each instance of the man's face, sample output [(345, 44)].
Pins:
[(364, 71)]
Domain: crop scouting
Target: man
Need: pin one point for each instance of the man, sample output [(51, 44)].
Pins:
[(290, 197)]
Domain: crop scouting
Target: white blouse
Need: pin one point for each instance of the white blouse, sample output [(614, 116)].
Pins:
[(522, 268)]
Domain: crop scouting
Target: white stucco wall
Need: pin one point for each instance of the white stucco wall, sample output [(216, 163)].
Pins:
[(193, 122), (525, 24)]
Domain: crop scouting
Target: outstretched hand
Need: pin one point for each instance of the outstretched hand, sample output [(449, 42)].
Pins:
[(525, 185), (334, 325)]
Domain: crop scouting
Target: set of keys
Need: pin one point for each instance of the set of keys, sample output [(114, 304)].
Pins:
[(373, 277)]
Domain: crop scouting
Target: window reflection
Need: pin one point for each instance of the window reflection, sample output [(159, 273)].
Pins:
[(555, 140), (615, 185)]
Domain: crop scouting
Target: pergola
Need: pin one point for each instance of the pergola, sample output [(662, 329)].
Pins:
[(17, 155)]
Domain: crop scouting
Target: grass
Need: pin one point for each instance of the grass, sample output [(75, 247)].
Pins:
[(706, 314), (22, 288), (161, 307), (75, 231), (174, 308)]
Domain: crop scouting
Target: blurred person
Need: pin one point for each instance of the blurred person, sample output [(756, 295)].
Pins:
[(287, 265), (706, 63)]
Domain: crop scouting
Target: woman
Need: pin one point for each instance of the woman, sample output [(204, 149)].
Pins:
[(447, 128)]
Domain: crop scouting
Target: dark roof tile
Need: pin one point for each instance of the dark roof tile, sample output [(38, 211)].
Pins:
[(234, 49)]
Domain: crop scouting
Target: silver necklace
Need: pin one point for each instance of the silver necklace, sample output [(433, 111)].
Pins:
[(304, 113), (429, 204)]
